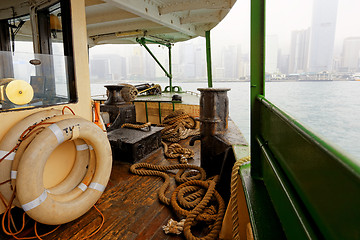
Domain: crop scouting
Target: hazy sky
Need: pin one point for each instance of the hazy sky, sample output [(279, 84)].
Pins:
[(284, 16)]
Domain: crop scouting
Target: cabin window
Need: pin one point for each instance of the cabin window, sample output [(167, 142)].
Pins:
[(36, 64)]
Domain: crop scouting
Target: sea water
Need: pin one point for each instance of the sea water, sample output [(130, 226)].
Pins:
[(330, 109)]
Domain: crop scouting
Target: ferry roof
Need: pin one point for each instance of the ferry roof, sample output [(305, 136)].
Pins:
[(121, 21)]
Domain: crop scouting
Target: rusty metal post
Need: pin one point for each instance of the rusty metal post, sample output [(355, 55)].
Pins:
[(114, 95), (214, 113)]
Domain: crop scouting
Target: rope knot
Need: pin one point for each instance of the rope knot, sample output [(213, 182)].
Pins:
[(174, 227)]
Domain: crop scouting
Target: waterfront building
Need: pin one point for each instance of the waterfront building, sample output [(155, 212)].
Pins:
[(351, 54), (135, 68), (322, 35), (100, 69), (299, 51), (230, 62), (271, 54)]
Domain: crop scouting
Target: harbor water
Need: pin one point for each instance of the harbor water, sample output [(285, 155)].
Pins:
[(330, 109)]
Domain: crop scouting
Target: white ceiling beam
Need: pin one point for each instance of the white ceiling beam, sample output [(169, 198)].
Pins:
[(101, 29), (108, 17), (201, 18), (150, 10), (193, 5), (93, 2)]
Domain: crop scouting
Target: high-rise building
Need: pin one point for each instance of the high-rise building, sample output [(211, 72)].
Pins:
[(200, 60), (351, 54), (271, 54), (322, 35), (136, 64), (187, 60), (100, 69), (299, 51), (230, 62)]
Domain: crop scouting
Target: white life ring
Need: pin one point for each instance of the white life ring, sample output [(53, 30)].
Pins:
[(80, 168), (38, 202), (10, 140), (77, 180)]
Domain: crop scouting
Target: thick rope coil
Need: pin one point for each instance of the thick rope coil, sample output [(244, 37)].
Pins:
[(143, 170), (197, 211), (144, 127), (178, 125), (234, 196), (175, 150), (194, 193)]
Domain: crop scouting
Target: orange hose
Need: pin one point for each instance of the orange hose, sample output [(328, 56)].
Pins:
[(66, 107), (101, 225), (37, 235), (97, 114)]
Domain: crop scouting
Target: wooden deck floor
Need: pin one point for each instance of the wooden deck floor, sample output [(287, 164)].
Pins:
[(130, 205)]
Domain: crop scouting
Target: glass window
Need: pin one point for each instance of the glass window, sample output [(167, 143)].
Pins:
[(313, 64), (36, 65)]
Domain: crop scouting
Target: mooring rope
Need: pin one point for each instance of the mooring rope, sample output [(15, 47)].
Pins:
[(194, 193), (175, 150), (177, 126), (145, 126), (192, 198), (234, 196)]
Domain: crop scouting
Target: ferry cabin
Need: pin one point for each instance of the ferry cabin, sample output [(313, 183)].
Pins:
[(297, 186)]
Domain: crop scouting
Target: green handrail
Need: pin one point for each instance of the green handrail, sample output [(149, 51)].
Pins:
[(142, 42), (208, 58), (257, 85)]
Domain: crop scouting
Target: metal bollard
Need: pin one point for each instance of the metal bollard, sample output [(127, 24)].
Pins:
[(214, 113)]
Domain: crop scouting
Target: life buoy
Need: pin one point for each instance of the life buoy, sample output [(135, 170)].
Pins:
[(10, 140), (38, 202), (80, 168), (82, 186)]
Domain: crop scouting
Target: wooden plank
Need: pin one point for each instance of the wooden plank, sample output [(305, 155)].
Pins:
[(130, 206)]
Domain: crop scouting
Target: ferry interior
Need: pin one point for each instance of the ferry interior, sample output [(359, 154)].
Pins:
[(142, 162)]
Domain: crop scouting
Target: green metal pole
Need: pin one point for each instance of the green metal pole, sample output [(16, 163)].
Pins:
[(157, 61), (170, 69), (257, 84), (159, 104), (143, 41), (146, 112), (156, 42), (208, 59)]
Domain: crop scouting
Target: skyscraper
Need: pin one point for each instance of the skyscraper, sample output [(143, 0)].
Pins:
[(322, 35), (272, 48), (351, 54), (299, 51)]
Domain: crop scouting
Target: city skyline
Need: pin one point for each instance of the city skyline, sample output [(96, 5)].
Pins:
[(290, 38), (229, 63)]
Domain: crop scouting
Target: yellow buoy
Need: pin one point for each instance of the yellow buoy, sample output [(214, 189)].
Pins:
[(19, 92)]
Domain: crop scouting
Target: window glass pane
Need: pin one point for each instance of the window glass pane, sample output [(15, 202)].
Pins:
[(32, 83), (312, 62), (29, 79)]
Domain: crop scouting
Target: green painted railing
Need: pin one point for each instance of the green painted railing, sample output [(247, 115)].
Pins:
[(314, 187), (300, 185)]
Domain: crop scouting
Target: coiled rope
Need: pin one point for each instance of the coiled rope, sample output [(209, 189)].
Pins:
[(145, 126), (234, 196), (177, 126), (194, 193), (192, 198), (175, 150)]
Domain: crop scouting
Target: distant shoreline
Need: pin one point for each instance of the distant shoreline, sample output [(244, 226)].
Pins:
[(175, 81)]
